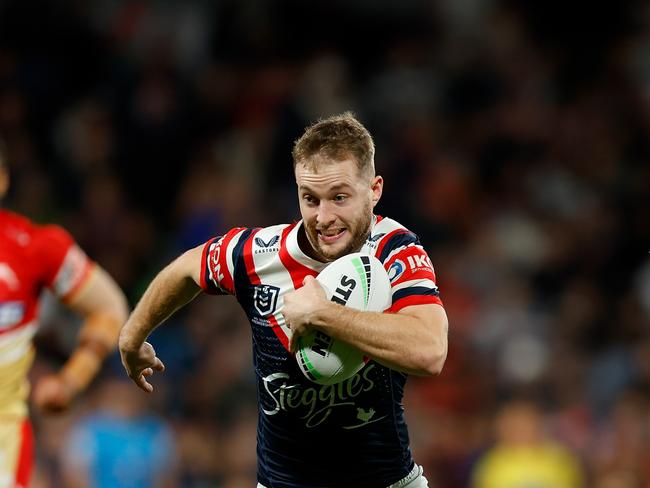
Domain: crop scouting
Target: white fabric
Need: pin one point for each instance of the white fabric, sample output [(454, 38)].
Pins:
[(415, 479)]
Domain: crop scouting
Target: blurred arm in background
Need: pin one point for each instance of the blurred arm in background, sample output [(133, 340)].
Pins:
[(104, 308)]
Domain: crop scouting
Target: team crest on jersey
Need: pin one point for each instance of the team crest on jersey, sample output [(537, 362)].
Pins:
[(265, 299)]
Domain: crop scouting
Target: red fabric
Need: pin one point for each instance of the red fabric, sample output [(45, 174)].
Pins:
[(216, 259), (33, 257), (26, 455), (413, 300), (297, 270)]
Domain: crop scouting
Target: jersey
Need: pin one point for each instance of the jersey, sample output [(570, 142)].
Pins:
[(32, 258), (349, 434)]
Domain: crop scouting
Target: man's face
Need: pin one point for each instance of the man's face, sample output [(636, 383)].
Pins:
[(336, 204)]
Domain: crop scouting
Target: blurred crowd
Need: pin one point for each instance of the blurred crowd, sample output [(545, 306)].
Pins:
[(513, 138)]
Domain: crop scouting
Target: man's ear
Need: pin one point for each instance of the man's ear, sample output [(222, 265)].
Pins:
[(377, 187), (4, 181)]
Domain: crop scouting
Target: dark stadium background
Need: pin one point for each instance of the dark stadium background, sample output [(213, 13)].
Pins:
[(513, 137)]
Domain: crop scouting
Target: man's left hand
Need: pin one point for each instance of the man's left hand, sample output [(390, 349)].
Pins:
[(299, 307), (53, 394)]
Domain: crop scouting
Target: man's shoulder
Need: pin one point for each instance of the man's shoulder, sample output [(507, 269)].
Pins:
[(27, 233), (266, 237), (387, 235), (386, 225)]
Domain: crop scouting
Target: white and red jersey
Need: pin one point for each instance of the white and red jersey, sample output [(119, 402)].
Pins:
[(259, 266), (32, 258)]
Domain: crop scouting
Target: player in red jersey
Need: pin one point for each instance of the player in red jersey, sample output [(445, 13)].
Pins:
[(335, 436), (32, 258)]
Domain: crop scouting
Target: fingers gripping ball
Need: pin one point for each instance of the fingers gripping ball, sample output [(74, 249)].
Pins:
[(358, 281)]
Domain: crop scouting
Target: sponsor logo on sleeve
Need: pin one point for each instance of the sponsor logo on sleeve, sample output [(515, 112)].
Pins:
[(418, 262), (214, 266), (396, 269)]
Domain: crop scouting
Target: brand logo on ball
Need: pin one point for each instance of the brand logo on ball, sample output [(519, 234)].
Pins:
[(265, 299), (322, 343), (342, 293), (362, 266)]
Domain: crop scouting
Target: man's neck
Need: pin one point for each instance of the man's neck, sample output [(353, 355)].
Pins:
[(305, 246)]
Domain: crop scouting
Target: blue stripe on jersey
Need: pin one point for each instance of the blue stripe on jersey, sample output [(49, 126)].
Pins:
[(415, 291), (240, 274), (397, 241)]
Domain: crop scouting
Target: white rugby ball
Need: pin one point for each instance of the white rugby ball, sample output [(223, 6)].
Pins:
[(357, 281)]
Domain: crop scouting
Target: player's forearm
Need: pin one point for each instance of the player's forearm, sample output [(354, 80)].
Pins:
[(402, 342), (105, 309), (168, 292)]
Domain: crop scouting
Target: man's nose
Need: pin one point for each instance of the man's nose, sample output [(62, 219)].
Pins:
[(325, 215)]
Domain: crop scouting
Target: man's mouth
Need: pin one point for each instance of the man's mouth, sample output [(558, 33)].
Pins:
[(331, 235)]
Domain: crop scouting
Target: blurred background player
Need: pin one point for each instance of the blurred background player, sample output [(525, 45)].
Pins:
[(32, 258)]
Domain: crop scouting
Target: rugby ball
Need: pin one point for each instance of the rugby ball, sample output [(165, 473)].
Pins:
[(357, 281)]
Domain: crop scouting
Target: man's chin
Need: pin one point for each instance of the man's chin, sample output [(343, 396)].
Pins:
[(332, 253)]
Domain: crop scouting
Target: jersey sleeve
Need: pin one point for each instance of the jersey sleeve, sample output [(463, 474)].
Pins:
[(217, 269), (411, 274), (65, 267)]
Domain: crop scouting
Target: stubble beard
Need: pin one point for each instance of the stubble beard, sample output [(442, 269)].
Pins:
[(360, 230)]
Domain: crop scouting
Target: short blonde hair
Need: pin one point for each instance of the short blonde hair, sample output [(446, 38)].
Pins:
[(337, 137)]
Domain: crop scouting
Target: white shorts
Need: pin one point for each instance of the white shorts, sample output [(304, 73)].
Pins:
[(415, 479)]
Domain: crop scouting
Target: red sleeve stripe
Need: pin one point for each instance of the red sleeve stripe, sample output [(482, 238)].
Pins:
[(204, 262), (414, 300), (297, 271)]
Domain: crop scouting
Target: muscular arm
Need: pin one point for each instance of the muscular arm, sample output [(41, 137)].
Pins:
[(173, 287), (414, 340)]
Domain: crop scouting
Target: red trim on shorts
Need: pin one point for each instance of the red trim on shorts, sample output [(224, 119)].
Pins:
[(26, 455), (297, 270), (255, 280), (414, 300)]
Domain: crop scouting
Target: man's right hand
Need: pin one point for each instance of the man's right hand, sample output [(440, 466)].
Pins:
[(140, 363)]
